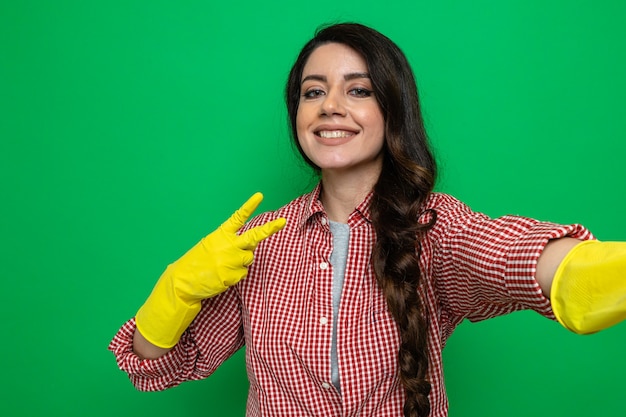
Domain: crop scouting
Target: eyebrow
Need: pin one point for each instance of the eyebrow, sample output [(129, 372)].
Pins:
[(347, 77)]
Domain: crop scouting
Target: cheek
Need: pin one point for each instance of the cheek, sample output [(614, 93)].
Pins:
[(299, 118), (380, 122), (374, 121), (301, 132), (299, 122), (301, 127)]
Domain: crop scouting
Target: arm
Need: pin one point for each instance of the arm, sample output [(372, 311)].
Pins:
[(215, 334), (487, 267), (146, 350), (218, 261), (550, 259)]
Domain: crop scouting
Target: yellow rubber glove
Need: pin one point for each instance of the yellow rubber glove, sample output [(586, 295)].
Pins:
[(589, 289), (217, 262)]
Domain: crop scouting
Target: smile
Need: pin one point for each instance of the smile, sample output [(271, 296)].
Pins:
[(332, 134)]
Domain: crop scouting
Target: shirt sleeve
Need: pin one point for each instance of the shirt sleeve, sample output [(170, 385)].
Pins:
[(486, 267), (214, 335)]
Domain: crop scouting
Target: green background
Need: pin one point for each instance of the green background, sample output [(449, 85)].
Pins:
[(129, 129)]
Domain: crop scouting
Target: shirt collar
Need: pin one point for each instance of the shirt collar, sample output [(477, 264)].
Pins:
[(313, 208)]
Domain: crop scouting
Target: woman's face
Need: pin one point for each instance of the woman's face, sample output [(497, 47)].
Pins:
[(339, 123)]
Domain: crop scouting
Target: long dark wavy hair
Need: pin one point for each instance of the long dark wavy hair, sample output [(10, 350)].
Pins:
[(407, 177)]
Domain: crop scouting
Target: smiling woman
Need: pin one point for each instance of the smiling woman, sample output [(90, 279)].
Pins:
[(345, 297)]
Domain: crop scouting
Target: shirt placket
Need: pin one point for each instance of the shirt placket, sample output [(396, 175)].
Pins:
[(322, 320)]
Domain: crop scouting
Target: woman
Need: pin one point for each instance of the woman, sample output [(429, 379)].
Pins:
[(356, 286)]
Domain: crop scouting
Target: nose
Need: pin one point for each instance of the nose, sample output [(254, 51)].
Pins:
[(333, 103)]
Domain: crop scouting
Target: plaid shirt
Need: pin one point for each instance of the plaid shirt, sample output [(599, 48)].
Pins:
[(473, 267)]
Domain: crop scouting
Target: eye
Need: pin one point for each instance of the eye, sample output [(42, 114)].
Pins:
[(313, 93), (360, 92)]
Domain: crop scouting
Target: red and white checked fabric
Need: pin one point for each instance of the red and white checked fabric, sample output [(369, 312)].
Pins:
[(474, 267)]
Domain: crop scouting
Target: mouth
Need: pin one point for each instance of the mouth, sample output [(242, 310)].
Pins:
[(334, 134)]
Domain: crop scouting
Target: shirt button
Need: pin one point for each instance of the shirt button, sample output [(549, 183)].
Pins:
[(323, 320), (323, 221), (324, 265), (326, 385)]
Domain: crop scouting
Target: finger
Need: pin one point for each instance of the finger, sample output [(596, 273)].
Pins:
[(241, 216), (252, 237)]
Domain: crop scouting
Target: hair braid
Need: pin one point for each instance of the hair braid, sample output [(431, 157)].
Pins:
[(395, 215)]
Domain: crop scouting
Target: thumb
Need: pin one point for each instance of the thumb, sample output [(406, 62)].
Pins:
[(251, 238)]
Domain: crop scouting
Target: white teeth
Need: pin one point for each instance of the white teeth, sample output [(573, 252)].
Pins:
[(334, 133)]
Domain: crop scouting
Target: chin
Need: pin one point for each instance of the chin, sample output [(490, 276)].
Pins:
[(328, 165)]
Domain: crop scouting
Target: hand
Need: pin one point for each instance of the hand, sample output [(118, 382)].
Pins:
[(221, 259), (218, 261)]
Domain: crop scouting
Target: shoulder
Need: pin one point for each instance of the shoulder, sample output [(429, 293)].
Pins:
[(450, 212), (442, 201)]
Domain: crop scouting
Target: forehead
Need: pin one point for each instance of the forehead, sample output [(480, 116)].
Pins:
[(334, 58)]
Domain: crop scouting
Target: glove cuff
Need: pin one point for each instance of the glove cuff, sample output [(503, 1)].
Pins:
[(164, 316), (588, 293)]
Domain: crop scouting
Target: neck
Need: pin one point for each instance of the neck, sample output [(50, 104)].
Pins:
[(343, 191)]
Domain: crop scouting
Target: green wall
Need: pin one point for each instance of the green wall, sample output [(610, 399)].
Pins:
[(129, 129)]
